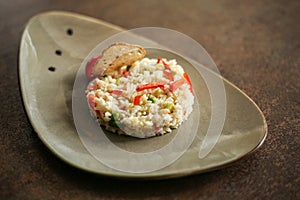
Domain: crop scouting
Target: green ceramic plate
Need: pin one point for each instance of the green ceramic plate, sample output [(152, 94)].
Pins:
[(53, 46)]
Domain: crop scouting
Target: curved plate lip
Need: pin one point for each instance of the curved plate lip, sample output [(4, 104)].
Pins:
[(117, 174)]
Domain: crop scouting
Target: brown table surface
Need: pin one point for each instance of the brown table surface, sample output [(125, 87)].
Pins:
[(256, 46)]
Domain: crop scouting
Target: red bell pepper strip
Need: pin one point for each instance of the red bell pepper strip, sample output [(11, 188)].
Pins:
[(116, 92), (89, 67), (166, 65), (158, 60), (163, 62), (98, 113), (150, 86), (126, 74), (93, 87), (187, 78), (155, 127), (176, 84), (91, 100), (137, 100), (168, 74)]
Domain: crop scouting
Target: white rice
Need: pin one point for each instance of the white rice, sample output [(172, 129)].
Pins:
[(159, 111)]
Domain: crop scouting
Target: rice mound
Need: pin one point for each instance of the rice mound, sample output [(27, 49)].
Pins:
[(147, 99)]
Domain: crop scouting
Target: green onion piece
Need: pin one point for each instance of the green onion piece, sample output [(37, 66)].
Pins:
[(169, 106), (118, 81), (115, 116)]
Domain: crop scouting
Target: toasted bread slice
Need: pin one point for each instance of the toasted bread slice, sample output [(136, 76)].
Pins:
[(116, 56)]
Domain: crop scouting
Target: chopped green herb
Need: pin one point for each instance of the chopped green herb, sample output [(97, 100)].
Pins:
[(114, 121), (152, 99), (128, 67), (105, 75)]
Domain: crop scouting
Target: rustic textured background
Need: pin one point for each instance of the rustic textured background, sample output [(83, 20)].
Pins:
[(256, 45)]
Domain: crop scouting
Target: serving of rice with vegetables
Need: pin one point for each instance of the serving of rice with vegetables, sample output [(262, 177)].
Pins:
[(141, 98)]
